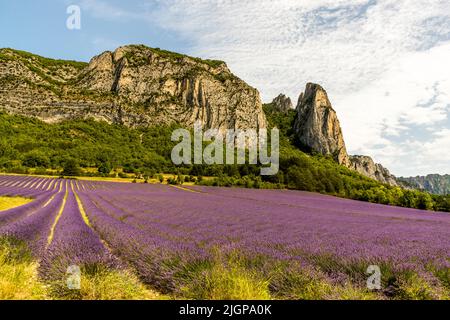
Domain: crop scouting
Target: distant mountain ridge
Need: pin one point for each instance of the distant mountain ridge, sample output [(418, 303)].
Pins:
[(433, 183)]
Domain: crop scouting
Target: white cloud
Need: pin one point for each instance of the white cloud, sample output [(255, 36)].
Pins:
[(384, 63), (422, 157), (280, 45), (413, 93)]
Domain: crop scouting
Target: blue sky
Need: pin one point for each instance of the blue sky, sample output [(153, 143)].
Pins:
[(40, 27), (384, 63)]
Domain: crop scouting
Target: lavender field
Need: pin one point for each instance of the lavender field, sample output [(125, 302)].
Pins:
[(219, 243)]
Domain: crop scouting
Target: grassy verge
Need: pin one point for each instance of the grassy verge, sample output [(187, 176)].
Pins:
[(221, 277), (234, 276), (217, 280), (101, 283), (12, 202), (19, 280), (238, 278), (18, 273)]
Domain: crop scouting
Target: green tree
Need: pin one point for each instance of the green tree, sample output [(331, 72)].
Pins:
[(71, 168), (425, 201), (36, 158), (180, 179), (105, 168)]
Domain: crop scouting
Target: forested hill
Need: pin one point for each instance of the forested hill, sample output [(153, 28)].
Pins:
[(28, 145)]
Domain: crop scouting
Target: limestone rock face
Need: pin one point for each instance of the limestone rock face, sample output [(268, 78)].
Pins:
[(134, 86), (175, 88), (317, 126), (282, 103), (366, 166)]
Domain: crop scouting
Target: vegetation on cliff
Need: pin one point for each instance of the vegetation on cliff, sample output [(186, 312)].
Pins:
[(135, 85), (30, 145)]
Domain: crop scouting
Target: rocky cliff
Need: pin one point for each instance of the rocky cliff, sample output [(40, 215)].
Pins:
[(366, 166), (317, 128), (134, 86), (433, 183), (282, 103)]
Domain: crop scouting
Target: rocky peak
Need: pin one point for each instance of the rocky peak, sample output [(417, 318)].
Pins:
[(136, 86), (282, 103), (176, 88), (317, 126), (366, 166)]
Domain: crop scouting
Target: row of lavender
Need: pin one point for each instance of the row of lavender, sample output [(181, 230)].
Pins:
[(41, 190), (51, 225), (162, 230)]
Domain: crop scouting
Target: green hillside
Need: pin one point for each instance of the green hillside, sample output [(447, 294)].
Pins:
[(28, 144)]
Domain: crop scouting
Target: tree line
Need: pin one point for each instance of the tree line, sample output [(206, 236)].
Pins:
[(88, 147)]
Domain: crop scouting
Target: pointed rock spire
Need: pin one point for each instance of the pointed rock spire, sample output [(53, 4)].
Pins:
[(317, 126), (318, 129)]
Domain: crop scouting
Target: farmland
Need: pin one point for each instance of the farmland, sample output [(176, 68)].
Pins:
[(152, 241)]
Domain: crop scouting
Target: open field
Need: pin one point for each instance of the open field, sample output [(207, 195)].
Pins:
[(152, 241), (12, 202)]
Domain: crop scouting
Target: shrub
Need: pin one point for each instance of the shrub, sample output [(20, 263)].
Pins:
[(71, 168), (105, 168)]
